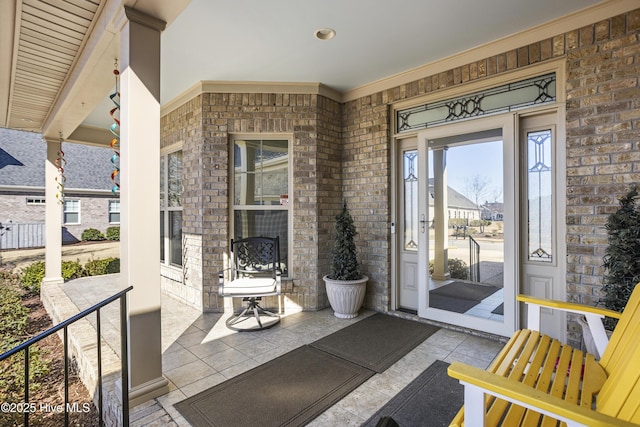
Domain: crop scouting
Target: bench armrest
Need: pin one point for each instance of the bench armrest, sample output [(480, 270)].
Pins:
[(569, 306), (478, 382), (594, 316)]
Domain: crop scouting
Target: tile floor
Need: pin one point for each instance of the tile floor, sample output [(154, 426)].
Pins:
[(199, 351)]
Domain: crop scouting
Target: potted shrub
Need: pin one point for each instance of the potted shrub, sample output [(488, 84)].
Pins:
[(345, 285), (621, 259)]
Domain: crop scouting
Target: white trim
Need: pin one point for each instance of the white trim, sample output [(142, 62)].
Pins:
[(177, 146), (289, 208), (211, 86), (553, 66)]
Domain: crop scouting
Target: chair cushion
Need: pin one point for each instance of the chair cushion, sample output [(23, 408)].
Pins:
[(250, 287)]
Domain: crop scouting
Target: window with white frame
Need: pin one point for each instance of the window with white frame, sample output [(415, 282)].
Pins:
[(261, 188), (171, 208), (71, 212), (36, 200), (114, 211)]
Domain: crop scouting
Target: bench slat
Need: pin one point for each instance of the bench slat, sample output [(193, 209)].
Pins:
[(513, 367), (517, 415)]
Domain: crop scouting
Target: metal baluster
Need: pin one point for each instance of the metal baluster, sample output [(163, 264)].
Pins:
[(98, 334), (26, 384), (124, 338), (66, 376)]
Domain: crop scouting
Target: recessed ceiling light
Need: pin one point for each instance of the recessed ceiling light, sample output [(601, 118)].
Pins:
[(325, 33)]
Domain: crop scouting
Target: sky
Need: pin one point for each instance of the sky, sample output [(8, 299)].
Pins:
[(484, 160)]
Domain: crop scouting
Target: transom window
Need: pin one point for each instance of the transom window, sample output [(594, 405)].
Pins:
[(261, 189)]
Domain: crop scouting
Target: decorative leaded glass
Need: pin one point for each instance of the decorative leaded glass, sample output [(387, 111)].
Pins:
[(410, 200), (509, 97), (539, 195)]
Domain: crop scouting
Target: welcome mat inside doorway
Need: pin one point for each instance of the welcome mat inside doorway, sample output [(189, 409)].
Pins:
[(459, 297)]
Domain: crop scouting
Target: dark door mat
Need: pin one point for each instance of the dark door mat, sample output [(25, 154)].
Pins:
[(465, 291), (376, 342), (432, 399), (290, 390)]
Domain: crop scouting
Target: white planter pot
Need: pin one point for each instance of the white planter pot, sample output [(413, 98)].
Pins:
[(346, 296)]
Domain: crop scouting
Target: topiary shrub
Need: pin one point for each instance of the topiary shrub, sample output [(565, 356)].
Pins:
[(91, 235), (344, 264), (98, 267), (113, 233), (622, 256)]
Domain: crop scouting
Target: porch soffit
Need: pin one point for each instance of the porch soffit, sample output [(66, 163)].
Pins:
[(47, 38), (53, 55)]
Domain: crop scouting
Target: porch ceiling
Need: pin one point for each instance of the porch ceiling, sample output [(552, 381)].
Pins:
[(57, 56)]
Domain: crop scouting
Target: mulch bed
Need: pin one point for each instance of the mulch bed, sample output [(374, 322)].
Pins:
[(51, 394)]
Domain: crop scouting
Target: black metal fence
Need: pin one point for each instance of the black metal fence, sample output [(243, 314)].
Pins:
[(124, 356)]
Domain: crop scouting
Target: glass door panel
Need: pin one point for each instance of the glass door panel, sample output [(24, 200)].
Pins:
[(466, 198), (467, 255)]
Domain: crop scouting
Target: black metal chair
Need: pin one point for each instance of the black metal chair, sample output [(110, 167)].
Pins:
[(254, 273)]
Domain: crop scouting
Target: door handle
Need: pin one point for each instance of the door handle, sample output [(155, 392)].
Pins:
[(423, 223)]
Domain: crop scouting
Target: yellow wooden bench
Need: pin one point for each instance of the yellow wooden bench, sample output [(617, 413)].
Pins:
[(537, 381)]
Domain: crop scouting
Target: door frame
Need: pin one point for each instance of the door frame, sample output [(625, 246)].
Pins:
[(507, 124)]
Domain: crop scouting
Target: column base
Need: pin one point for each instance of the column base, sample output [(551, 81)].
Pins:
[(144, 392), (446, 276), (53, 280)]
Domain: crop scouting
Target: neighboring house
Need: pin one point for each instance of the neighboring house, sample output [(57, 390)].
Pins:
[(492, 211), (88, 199), (458, 205)]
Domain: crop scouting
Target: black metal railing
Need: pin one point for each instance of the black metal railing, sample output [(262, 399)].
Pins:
[(474, 260), (124, 359)]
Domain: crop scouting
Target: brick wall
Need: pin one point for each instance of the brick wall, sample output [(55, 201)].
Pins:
[(184, 126), (603, 117), (603, 138), (316, 159), (14, 207)]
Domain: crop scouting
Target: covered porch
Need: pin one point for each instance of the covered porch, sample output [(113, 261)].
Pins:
[(339, 126), (199, 352)]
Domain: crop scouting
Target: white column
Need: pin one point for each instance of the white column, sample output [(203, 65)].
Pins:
[(53, 216), (140, 199), (440, 186)]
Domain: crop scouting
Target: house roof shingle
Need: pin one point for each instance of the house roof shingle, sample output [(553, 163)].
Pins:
[(22, 161)]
